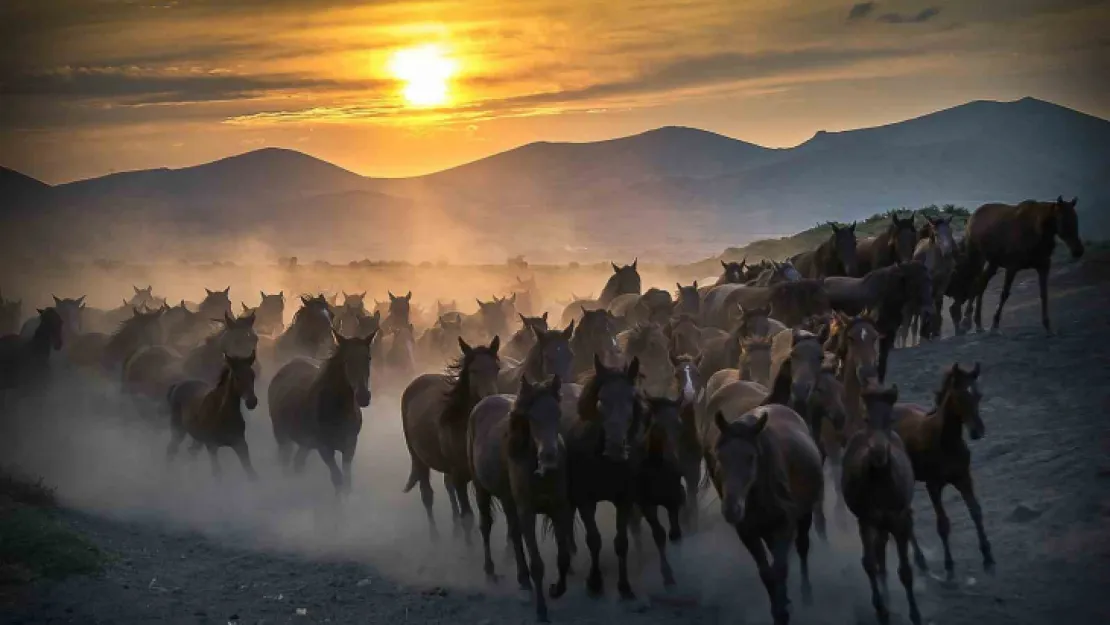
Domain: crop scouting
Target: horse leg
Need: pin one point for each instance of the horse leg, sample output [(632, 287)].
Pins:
[(755, 547), (954, 312), (690, 510), (779, 545), (482, 499), (517, 540), (535, 562), (564, 522), (421, 474), (466, 514), (918, 555), (943, 526), (328, 456), (885, 344), (348, 456), (651, 515), (299, 459), (977, 293), (1042, 282), (902, 531), (1008, 282), (867, 536), (673, 511), (195, 447), (176, 437), (883, 535), (967, 491), (801, 543), (635, 528), (285, 456), (245, 459), (449, 486), (593, 542), (212, 450), (620, 545)]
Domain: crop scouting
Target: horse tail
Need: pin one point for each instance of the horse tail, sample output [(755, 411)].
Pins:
[(417, 471)]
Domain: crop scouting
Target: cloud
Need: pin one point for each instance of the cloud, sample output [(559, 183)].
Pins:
[(918, 18), (860, 10)]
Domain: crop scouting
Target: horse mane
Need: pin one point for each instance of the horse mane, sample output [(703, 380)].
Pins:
[(458, 404)]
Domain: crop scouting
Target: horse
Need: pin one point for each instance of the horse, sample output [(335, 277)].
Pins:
[(878, 487), (733, 272), (492, 319), (400, 356), (683, 335), (184, 329), (516, 455), (889, 292), (550, 355), (1015, 238), (625, 280), (723, 351), (71, 311), (660, 474), (835, 256), (526, 296), (320, 407), (23, 363), (438, 341), (523, 339), (777, 273), (216, 304), (815, 393), (435, 411), (442, 308), (270, 314), (310, 333), (766, 470), (398, 312), (213, 417), (690, 384), (236, 338), (960, 289), (789, 302), (595, 335), (934, 442), (893, 245), (649, 344), (11, 316), (687, 301), (654, 306), (936, 250), (598, 441), (142, 329)]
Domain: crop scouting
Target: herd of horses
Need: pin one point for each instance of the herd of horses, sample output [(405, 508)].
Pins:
[(753, 385)]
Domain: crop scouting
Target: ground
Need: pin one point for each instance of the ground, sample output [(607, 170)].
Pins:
[(186, 549)]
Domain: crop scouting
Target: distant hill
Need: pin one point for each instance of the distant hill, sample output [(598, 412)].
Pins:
[(670, 194)]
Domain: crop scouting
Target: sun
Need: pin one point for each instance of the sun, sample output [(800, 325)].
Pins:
[(426, 72)]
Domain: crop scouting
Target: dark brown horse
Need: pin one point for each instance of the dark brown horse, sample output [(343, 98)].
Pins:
[(236, 338), (213, 417), (690, 385), (723, 351), (270, 314), (595, 335), (683, 335), (1015, 238), (935, 444), (686, 300), (492, 319), (888, 292), (550, 355), (936, 249), (599, 441), (399, 362), (516, 455), (435, 411), (440, 341), (733, 272), (310, 334), (776, 273), (625, 280), (142, 329), (399, 312), (891, 246), (216, 304), (654, 306), (789, 302), (766, 470), (527, 299), (319, 407), (24, 363), (650, 346), (878, 487), (836, 256), (524, 338)]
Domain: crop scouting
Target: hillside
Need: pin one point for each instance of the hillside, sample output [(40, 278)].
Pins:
[(669, 194)]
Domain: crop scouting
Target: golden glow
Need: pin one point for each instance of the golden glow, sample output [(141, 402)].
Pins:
[(426, 72)]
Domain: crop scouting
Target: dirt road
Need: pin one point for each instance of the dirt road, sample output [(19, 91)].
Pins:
[(187, 549)]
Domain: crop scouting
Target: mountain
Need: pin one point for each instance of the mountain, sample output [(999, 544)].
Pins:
[(671, 193)]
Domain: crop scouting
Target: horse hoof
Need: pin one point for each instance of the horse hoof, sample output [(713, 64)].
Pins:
[(594, 586), (988, 565), (922, 565), (807, 596), (627, 594), (557, 590), (675, 536)]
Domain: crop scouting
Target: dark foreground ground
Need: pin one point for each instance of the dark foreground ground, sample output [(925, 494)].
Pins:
[(184, 549)]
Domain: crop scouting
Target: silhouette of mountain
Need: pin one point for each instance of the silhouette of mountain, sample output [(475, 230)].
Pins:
[(671, 193)]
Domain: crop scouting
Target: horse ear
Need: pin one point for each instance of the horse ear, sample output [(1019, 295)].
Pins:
[(281, 294), (205, 290), (39, 310), (852, 227), (377, 315), (345, 296), (495, 344), (722, 423), (695, 285), (512, 299), (408, 295), (525, 386), (633, 370), (263, 294), (137, 289), (1059, 199), (226, 291), (835, 228), (678, 286), (465, 347), (244, 305), (252, 358), (391, 297), (545, 316), (760, 423), (724, 265), (369, 338), (616, 269), (57, 301), (584, 311), (568, 331)]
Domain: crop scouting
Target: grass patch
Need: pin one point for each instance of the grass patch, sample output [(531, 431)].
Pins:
[(33, 542)]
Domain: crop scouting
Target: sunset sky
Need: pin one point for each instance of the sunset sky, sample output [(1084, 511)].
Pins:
[(88, 87)]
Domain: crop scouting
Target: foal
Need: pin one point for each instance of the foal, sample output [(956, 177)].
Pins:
[(936, 447), (213, 417)]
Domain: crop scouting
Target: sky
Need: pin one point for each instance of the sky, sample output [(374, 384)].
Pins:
[(90, 87)]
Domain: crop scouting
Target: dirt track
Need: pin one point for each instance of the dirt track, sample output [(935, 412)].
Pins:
[(190, 551)]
